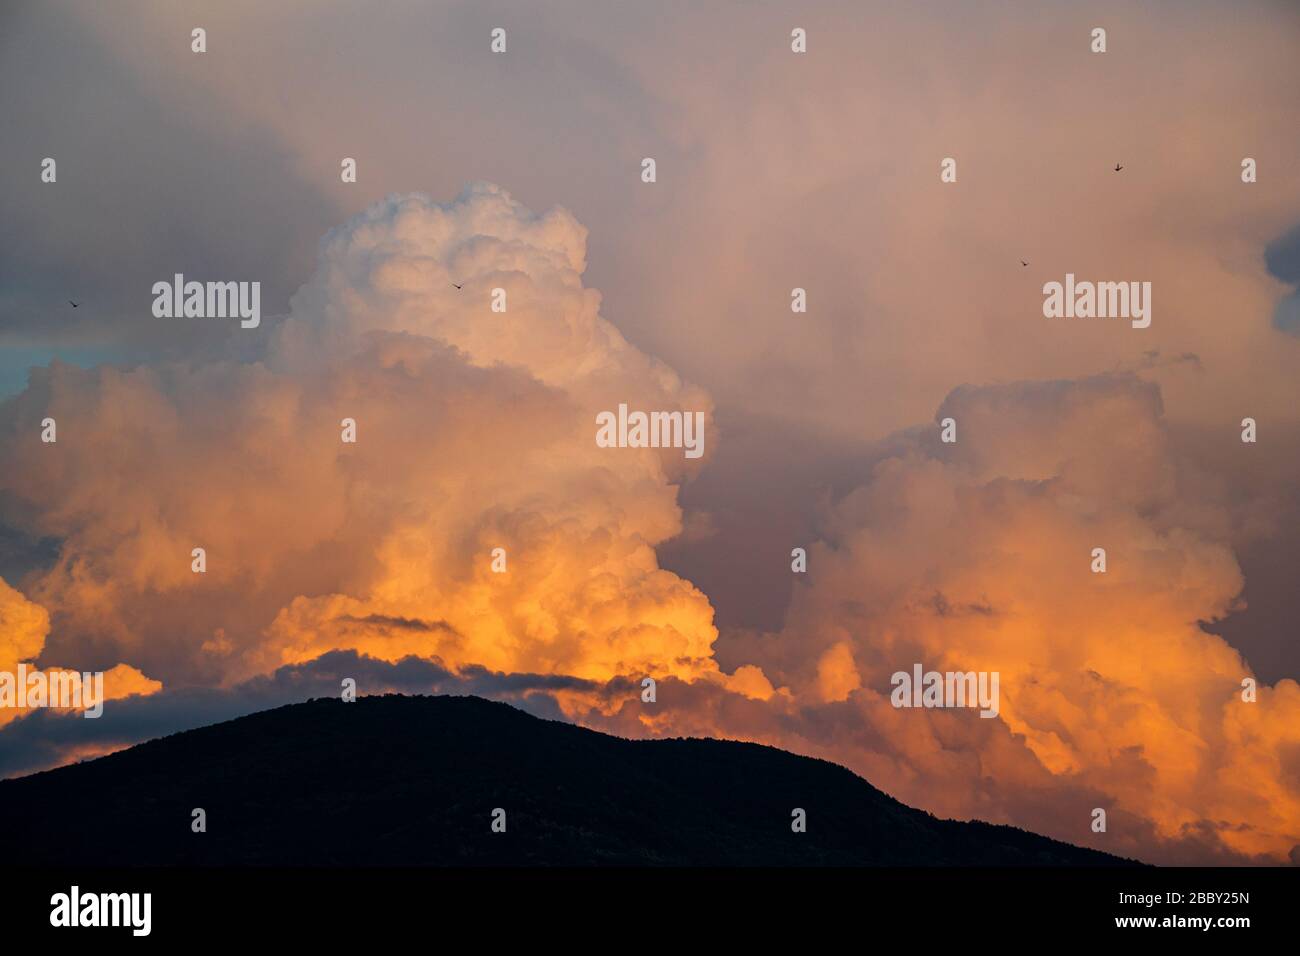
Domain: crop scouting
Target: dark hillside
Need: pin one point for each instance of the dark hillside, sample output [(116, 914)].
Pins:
[(414, 780)]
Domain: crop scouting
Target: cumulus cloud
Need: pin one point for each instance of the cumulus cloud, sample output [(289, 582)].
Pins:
[(977, 556), (23, 629), (475, 431), (23, 626)]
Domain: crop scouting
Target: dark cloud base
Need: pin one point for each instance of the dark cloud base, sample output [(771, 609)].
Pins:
[(42, 739)]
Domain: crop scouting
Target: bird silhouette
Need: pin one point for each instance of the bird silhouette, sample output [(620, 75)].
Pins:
[(456, 285), (74, 304), (1023, 262), (1118, 167)]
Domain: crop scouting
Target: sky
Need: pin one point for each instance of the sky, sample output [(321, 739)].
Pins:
[(775, 170)]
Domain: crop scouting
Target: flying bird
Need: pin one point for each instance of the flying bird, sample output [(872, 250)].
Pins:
[(74, 304), (1023, 262), (1118, 167), (456, 285)]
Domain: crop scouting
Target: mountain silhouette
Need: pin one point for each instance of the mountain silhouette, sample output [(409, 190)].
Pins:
[(399, 780)]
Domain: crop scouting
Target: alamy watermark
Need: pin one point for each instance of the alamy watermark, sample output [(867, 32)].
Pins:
[(208, 300), (75, 908), (1100, 300), (923, 688), (33, 687), (651, 430)]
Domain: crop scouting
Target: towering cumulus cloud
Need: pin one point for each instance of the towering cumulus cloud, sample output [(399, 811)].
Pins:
[(475, 431), (977, 555)]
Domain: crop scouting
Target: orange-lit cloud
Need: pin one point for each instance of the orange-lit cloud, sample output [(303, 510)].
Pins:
[(977, 556), (476, 431), (23, 628)]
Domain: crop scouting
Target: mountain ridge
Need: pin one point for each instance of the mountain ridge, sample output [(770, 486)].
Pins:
[(414, 780)]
